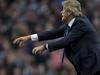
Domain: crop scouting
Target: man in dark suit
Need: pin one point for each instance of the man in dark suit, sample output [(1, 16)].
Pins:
[(81, 43)]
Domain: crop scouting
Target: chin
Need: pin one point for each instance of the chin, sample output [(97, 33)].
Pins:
[(63, 19)]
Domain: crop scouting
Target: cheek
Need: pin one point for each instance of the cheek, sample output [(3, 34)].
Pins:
[(65, 16)]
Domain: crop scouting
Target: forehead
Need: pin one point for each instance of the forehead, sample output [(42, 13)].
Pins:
[(65, 9)]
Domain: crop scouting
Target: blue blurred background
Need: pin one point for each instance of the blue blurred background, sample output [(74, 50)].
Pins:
[(25, 17)]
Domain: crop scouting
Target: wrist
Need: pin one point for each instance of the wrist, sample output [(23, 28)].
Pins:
[(46, 46), (29, 37)]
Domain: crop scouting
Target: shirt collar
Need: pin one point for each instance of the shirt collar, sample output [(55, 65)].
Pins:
[(71, 22)]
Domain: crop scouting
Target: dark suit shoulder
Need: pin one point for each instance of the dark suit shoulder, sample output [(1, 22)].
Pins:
[(83, 20)]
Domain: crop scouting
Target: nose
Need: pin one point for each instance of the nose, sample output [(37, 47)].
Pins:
[(61, 12)]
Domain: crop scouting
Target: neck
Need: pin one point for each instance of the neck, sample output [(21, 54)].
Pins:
[(69, 19)]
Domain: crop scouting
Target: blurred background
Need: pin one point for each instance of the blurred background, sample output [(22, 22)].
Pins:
[(25, 17)]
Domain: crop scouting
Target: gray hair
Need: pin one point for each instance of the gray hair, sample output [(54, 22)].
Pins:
[(72, 5)]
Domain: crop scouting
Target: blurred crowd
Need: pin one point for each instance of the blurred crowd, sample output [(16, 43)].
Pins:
[(25, 17)]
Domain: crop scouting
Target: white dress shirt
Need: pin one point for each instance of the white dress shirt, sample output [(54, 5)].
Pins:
[(71, 22), (34, 37)]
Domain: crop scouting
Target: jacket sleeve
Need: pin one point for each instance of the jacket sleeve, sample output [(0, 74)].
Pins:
[(53, 34), (76, 33)]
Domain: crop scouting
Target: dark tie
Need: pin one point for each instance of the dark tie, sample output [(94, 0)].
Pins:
[(67, 29)]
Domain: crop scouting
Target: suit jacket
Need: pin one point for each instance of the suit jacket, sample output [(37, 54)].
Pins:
[(82, 46)]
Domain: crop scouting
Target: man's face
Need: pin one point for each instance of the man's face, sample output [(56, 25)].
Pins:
[(65, 15)]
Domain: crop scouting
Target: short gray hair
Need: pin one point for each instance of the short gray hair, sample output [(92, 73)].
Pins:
[(72, 5)]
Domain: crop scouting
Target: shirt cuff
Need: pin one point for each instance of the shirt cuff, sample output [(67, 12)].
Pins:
[(46, 46), (34, 37)]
